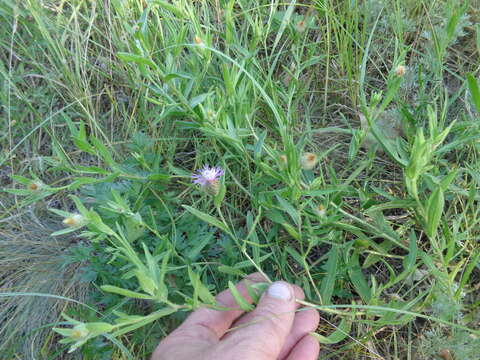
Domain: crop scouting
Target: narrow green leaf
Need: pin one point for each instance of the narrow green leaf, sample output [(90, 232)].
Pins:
[(138, 59), (239, 299), (328, 282), (207, 218), (231, 270), (298, 258), (434, 209), (125, 292), (357, 278), (285, 205), (338, 335), (474, 90)]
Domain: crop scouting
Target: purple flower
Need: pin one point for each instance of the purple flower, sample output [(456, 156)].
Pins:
[(208, 178)]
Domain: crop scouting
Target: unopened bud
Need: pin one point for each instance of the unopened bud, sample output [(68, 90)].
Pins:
[(198, 40), (35, 186), (400, 70), (301, 26), (75, 220), (212, 187), (79, 332), (308, 161)]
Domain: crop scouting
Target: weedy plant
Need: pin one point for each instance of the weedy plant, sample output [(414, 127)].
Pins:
[(168, 148)]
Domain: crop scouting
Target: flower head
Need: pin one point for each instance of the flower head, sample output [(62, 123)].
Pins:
[(308, 161), (35, 186), (300, 26), (208, 178), (400, 70)]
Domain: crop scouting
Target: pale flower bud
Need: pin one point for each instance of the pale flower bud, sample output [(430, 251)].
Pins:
[(75, 220), (79, 332), (321, 210), (400, 70), (301, 26), (308, 161), (35, 186), (198, 40)]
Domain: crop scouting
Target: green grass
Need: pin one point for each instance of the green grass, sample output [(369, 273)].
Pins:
[(109, 107)]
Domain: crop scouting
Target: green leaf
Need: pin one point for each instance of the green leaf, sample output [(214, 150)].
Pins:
[(231, 270), (285, 205), (138, 59), (103, 151), (328, 282), (217, 200), (434, 210), (298, 258), (474, 91), (207, 218), (146, 283), (197, 100), (199, 288), (97, 328), (338, 335), (124, 292), (239, 299), (357, 278), (193, 253), (170, 7)]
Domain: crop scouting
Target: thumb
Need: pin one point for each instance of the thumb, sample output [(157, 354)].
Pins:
[(264, 335)]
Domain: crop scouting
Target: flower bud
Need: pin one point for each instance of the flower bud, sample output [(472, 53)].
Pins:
[(400, 70), (308, 161), (283, 159), (35, 186), (79, 332), (301, 26), (321, 210), (75, 220), (212, 187), (198, 40)]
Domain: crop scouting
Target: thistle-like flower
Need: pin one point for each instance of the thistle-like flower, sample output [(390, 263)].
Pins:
[(400, 70), (208, 179), (300, 26), (308, 161), (35, 186), (76, 220)]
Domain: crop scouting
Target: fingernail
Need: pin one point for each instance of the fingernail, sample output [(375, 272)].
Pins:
[(280, 290)]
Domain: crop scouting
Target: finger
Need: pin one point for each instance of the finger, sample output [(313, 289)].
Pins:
[(305, 322), (218, 322), (271, 322), (247, 318), (307, 348)]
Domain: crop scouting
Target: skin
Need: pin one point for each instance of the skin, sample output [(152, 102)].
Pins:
[(277, 329)]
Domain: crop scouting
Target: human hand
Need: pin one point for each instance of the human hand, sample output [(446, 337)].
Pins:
[(274, 330)]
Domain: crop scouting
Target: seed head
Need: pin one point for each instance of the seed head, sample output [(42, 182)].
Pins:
[(208, 179), (301, 26), (445, 354), (400, 70), (75, 220), (35, 186), (308, 161)]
